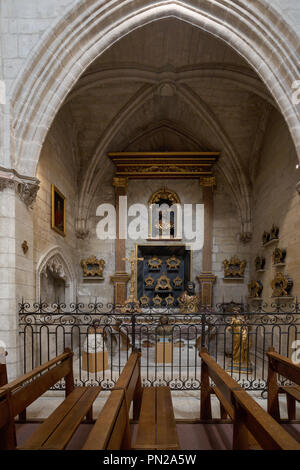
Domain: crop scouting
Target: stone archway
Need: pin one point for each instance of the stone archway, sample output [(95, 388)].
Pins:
[(252, 29), (54, 264)]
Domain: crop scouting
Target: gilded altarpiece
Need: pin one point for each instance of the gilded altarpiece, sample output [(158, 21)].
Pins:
[(163, 273)]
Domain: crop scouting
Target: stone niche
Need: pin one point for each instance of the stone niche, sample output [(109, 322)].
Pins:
[(55, 278), (53, 286)]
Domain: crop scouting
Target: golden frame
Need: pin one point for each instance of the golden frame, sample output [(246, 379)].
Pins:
[(54, 191)]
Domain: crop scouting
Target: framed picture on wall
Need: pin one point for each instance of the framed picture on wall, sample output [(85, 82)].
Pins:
[(58, 211)]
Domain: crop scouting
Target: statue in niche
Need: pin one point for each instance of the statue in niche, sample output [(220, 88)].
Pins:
[(189, 302)]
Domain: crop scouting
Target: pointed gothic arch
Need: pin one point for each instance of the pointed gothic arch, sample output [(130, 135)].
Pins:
[(56, 261), (46, 78)]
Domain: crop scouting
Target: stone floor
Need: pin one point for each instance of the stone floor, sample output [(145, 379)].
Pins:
[(186, 405)]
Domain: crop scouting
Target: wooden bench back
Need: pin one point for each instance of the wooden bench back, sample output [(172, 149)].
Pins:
[(26, 389), (284, 366), (111, 430), (268, 433), (3, 375), (224, 386), (7, 426), (246, 414), (130, 382)]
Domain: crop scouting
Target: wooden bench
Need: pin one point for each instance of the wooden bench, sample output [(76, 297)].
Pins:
[(152, 407), (57, 430), (247, 416), (7, 425), (157, 425), (111, 430), (280, 365)]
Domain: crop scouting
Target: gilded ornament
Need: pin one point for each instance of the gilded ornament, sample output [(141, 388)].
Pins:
[(173, 263), (154, 263), (93, 267), (281, 285), (234, 268), (255, 289), (163, 284)]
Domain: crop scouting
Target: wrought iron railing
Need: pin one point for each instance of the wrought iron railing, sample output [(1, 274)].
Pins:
[(102, 339)]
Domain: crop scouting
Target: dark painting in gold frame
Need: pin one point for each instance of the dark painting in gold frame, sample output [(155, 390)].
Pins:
[(58, 211)]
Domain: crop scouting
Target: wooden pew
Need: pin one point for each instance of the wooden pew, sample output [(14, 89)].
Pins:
[(152, 406), (157, 425), (246, 414), (57, 430), (130, 382), (3, 374), (7, 425), (280, 365), (111, 430)]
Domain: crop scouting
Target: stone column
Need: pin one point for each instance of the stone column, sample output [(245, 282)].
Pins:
[(207, 279), (16, 265), (120, 278)]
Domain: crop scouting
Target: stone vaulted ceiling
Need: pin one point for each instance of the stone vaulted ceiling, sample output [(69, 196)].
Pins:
[(169, 86)]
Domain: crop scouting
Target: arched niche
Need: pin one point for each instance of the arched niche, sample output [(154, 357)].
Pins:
[(55, 278), (165, 215)]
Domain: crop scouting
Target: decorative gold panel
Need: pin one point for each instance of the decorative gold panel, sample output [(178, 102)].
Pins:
[(164, 164), (234, 268), (92, 267)]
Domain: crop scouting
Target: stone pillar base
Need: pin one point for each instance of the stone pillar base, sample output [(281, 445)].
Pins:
[(206, 282), (120, 280)]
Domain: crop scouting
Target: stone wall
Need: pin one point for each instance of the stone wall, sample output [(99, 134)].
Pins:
[(56, 166), (276, 201), (226, 242)]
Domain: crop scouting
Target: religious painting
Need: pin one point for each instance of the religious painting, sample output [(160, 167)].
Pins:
[(58, 216)]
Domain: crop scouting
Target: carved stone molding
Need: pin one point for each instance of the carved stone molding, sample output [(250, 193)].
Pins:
[(60, 267), (298, 187), (25, 186), (56, 267)]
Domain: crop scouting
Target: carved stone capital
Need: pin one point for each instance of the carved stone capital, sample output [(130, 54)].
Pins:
[(245, 237), (26, 187), (27, 192), (81, 229)]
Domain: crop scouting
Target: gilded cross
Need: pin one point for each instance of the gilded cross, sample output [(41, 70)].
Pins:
[(133, 262)]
